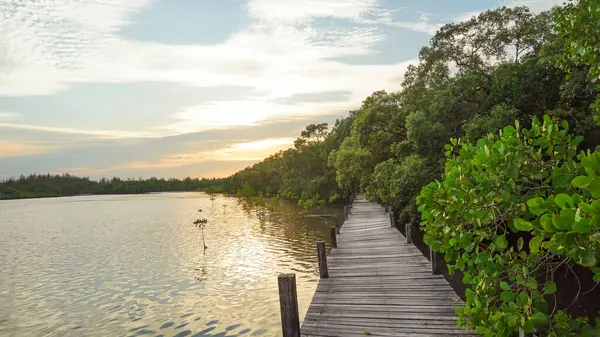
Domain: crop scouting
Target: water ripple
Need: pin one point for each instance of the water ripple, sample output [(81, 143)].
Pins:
[(135, 265)]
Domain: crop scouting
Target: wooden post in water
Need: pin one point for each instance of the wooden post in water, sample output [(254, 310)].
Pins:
[(337, 224), (346, 212), (322, 260), (409, 233), (333, 237), (392, 219), (435, 262), (288, 301)]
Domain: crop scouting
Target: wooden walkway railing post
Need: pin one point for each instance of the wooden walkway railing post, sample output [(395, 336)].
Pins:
[(288, 301), (409, 233), (322, 259), (332, 233), (392, 219), (346, 212), (337, 224), (436, 265)]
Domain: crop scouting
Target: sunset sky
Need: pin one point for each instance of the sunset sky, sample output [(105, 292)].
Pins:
[(201, 88)]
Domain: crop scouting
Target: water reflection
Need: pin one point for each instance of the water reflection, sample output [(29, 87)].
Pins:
[(135, 265)]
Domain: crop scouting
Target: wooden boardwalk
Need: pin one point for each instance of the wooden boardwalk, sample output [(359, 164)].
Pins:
[(379, 285)]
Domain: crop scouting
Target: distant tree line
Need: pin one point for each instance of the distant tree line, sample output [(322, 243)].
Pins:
[(506, 66), (47, 185)]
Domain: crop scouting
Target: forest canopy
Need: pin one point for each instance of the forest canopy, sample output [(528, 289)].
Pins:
[(495, 130), (474, 78)]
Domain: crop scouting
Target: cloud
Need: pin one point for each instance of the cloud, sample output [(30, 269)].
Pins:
[(107, 134), (306, 10), (42, 40), (280, 55), (6, 116), (12, 148), (244, 153), (535, 5), (64, 43), (260, 145), (467, 16), (194, 154)]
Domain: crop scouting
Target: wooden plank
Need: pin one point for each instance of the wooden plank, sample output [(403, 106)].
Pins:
[(446, 330), (379, 283)]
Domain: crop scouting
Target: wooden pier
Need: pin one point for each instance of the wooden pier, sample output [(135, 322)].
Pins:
[(374, 283)]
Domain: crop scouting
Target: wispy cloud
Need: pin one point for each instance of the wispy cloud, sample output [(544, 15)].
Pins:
[(238, 152), (535, 5), (6, 116), (306, 10), (42, 41), (52, 44), (106, 134), (12, 148)]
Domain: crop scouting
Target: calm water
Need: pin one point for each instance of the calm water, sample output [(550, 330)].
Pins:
[(135, 265)]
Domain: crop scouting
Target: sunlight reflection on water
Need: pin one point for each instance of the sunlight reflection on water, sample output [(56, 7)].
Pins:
[(135, 265)]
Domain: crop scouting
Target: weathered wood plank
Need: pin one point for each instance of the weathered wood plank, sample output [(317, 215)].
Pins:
[(379, 284)]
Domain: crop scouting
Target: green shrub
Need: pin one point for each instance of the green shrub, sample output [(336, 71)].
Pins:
[(510, 210)]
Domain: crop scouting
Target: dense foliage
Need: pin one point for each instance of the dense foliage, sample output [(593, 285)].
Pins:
[(515, 211), (579, 23), (474, 78), (512, 210), (36, 185)]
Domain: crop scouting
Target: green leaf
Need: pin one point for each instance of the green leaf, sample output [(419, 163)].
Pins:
[(520, 243), (546, 222), (504, 286), (588, 258), (507, 296), (590, 162), (537, 206), (532, 283), (587, 208), (522, 225), (508, 131), (562, 200), (511, 320), (541, 318), (549, 287), (528, 327), (501, 242), (467, 278), (535, 243), (523, 299), (559, 222), (594, 188), (581, 181), (582, 226)]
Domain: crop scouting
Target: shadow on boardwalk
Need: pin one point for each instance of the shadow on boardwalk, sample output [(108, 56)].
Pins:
[(379, 285)]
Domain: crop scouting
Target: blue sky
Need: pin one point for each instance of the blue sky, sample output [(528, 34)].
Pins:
[(197, 88)]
